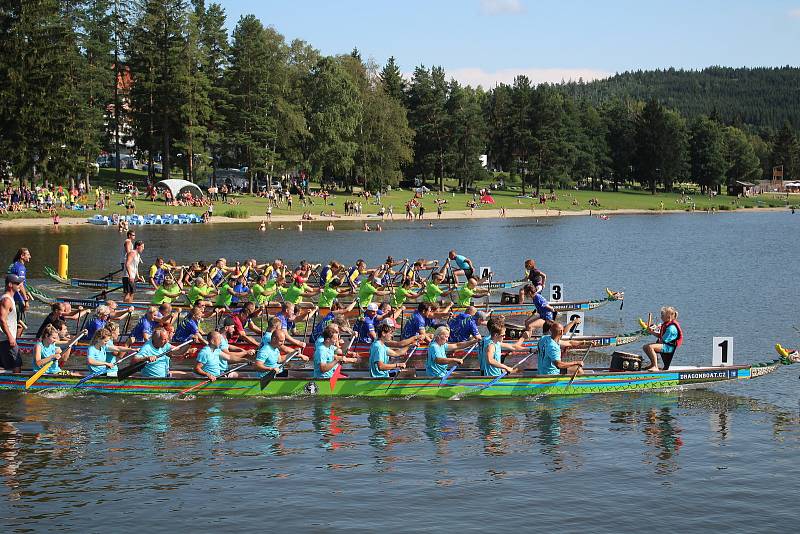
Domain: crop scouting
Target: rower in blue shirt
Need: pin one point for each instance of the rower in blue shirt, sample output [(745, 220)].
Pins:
[(549, 359), (156, 351), (420, 321), (465, 325)]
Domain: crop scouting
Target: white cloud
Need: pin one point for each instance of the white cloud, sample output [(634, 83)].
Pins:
[(795, 13), (477, 76), (502, 7)]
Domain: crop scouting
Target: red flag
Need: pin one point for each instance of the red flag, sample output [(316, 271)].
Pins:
[(337, 374)]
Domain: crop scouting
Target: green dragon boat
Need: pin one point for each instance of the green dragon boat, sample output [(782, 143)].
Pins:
[(358, 384)]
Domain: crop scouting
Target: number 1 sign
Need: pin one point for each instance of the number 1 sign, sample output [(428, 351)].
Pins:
[(723, 352)]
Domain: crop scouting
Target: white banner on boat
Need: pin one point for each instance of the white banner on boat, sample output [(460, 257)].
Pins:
[(723, 352), (576, 330), (556, 292), (485, 272)]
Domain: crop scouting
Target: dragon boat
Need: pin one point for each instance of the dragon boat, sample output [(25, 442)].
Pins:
[(468, 383)]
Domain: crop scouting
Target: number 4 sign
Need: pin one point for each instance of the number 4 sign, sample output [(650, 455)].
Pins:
[(723, 352)]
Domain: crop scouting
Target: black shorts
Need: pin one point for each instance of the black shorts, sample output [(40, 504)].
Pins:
[(127, 287), (469, 272), (9, 356)]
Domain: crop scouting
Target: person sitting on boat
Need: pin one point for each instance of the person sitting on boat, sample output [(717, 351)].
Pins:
[(549, 348), (369, 289), (60, 311), (328, 356), (144, 328), (465, 294), (437, 362), (335, 314), (464, 326), (102, 352), (490, 349), (567, 344), (272, 354), (420, 321), (290, 317), (189, 328), (379, 351), (670, 337), (330, 272), (200, 290), (46, 351), (155, 352), (98, 321), (240, 289), (330, 292), (433, 290), (536, 281), (158, 272), (227, 329), (209, 358), (167, 291), (365, 327), (544, 312), (299, 289), (262, 291), (244, 319)]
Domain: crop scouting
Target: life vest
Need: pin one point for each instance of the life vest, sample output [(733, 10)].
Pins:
[(678, 341)]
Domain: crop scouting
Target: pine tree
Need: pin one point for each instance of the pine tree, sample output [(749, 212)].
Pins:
[(392, 80)]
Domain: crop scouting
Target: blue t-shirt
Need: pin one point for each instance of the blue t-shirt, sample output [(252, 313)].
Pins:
[(100, 355), (46, 353), (366, 326), (669, 336), (483, 357), (415, 324), (269, 355), (324, 354), (321, 325), (93, 326), (462, 328), (286, 323), (540, 303), (461, 261), (436, 351), (239, 288), (160, 367), (144, 326), (185, 330), (18, 268), (378, 354), (549, 353), (210, 359)]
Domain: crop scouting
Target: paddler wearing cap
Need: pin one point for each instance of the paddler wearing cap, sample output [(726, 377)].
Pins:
[(464, 326), (299, 289), (380, 351), (9, 326), (365, 327)]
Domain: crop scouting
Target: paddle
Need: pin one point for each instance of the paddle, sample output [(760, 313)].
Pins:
[(579, 367), (502, 375), (410, 354), (122, 374), (337, 373), (272, 373), (103, 372), (453, 368), (32, 380), (205, 382)]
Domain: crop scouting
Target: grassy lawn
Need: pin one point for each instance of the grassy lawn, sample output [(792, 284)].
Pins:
[(568, 200)]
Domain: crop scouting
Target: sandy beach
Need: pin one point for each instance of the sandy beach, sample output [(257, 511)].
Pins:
[(34, 222)]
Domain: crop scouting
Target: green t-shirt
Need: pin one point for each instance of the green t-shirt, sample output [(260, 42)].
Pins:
[(259, 294), (294, 293), (399, 297), (224, 298), (327, 296), (198, 292), (165, 294), (432, 293), (365, 293), (465, 296)]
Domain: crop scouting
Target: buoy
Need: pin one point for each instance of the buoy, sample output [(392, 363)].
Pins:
[(63, 260)]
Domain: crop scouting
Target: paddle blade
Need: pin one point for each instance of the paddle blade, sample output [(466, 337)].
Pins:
[(29, 382), (131, 369), (89, 377), (267, 378), (337, 374)]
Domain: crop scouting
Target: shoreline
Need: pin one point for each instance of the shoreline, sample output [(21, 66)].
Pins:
[(515, 213)]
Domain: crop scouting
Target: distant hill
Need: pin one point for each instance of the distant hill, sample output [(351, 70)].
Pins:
[(761, 97)]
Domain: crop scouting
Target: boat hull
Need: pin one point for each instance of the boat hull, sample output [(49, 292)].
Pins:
[(525, 386)]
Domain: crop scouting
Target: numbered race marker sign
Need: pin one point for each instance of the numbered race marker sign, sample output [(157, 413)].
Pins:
[(575, 330), (556, 292), (485, 272), (723, 352)]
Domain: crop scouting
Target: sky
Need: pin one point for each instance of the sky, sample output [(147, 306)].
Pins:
[(485, 42)]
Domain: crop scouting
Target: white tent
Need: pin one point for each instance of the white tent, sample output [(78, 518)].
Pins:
[(178, 186)]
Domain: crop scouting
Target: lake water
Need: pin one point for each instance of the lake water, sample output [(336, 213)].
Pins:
[(719, 458)]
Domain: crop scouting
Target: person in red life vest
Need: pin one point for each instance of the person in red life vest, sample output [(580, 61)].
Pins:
[(670, 337)]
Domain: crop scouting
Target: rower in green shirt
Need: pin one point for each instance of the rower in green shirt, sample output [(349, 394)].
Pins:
[(226, 294), (467, 292), (200, 290), (432, 289), (368, 289), (298, 290), (167, 291), (403, 293), (262, 291), (330, 293)]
